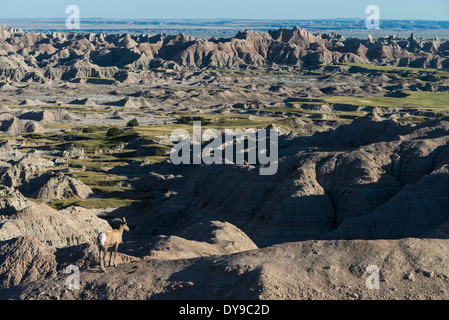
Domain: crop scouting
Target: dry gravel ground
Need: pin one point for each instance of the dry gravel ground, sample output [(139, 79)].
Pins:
[(416, 269)]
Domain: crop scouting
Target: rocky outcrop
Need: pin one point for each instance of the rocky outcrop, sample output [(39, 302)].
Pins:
[(31, 160), (202, 239), (63, 187), (25, 260), (17, 126), (83, 102), (71, 226), (23, 172), (34, 176), (12, 201), (8, 151), (73, 153), (46, 116), (413, 212)]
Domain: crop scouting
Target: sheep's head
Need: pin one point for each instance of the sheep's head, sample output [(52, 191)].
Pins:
[(124, 224)]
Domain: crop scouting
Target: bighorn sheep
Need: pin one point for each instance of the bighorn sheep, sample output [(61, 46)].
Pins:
[(110, 239)]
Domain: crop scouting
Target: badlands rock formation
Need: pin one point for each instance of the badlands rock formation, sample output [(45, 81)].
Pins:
[(373, 179), (362, 176), (411, 269), (35, 176), (100, 57), (259, 237), (202, 239), (11, 201), (69, 227), (63, 187), (24, 260), (17, 126)]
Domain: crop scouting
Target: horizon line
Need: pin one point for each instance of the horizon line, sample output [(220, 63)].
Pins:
[(219, 19)]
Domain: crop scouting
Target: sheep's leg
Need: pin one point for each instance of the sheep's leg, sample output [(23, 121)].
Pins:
[(110, 256), (103, 259), (101, 256), (99, 253), (115, 255)]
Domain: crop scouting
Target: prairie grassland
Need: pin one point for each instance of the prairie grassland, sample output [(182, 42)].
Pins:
[(395, 69), (414, 100)]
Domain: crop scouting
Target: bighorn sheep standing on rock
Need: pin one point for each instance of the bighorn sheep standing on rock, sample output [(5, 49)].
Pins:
[(109, 239)]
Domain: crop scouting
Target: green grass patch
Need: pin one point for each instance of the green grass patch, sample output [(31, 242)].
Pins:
[(93, 203), (415, 100), (394, 69), (98, 179)]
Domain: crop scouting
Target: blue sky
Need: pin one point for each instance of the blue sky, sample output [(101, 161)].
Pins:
[(235, 9)]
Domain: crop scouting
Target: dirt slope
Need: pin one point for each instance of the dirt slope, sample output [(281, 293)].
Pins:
[(409, 269)]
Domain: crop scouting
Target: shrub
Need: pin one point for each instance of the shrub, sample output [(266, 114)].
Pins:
[(89, 130), (190, 120), (133, 123), (161, 151), (185, 120), (113, 132)]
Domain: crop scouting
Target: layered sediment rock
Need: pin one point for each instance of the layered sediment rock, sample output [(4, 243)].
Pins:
[(200, 240), (69, 227), (374, 178), (63, 187), (17, 126), (100, 57), (12, 201)]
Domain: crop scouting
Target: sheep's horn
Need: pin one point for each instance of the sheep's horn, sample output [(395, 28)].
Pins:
[(124, 220)]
